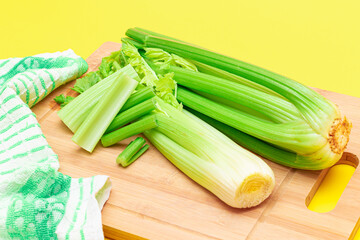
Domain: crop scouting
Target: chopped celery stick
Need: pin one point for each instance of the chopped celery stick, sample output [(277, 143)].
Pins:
[(131, 114), (133, 151), (74, 113), (139, 153), (137, 127), (100, 117), (138, 97)]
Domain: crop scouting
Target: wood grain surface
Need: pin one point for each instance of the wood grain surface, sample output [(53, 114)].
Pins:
[(152, 199)]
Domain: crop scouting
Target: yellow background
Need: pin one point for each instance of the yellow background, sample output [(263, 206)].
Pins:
[(316, 42)]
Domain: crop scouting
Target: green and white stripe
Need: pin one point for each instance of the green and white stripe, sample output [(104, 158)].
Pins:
[(37, 201), (33, 78)]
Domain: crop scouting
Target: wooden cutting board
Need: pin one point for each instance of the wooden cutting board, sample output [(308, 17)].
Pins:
[(153, 199)]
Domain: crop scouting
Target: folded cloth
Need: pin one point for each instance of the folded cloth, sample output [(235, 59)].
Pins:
[(37, 201), (34, 77)]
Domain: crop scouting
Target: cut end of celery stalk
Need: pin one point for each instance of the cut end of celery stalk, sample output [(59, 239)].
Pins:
[(75, 113), (91, 130), (339, 135), (132, 152), (126, 162)]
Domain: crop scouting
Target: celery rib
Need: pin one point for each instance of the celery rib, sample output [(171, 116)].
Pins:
[(137, 98), (210, 158), (74, 113), (132, 129), (94, 126), (297, 136), (131, 114)]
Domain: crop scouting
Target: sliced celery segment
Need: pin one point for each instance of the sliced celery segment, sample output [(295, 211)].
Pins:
[(74, 113), (100, 117), (132, 152)]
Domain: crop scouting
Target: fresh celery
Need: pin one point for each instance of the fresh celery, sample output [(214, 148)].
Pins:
[(75, 113), (100, 117), (137, 98), (274, 107), (132, 152), (236, 176), (132, 129), (131, 114), (295, 135), (320, 132)]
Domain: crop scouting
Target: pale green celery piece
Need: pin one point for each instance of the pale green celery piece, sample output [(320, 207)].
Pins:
[(100, 117), (236, 176), (132, 152), (146, 123), (131, 114), (74, 113)]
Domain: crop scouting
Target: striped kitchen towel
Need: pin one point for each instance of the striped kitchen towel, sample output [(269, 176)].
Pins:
[(37, 201), (34, 77)]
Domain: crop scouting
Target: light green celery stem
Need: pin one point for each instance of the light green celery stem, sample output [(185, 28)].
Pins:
[(132, 129), (74, 113), (91, 130), (131, 114), (262, 148), (130, 150), (138, 97), (204, 68), (195, 167), (318, 112), (275, 108), (296, 136)]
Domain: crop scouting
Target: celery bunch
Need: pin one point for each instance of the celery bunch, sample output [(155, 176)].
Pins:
[(111, 111), (284, 114)]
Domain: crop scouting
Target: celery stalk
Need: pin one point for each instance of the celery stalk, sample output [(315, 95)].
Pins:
[(100, 117), (132, 152), (131, 114), (139, 153), (132, 129), (74, 113), (274, 107), (236, 176), (296, 135), (137, 98)]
